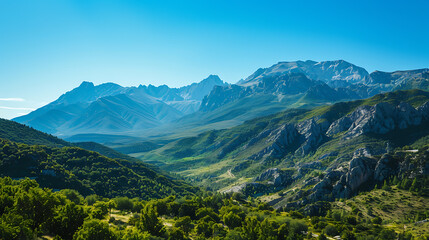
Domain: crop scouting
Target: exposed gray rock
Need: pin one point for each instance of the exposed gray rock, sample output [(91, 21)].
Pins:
[(237, 188), (380, 119), (386, 166), (362, 152), (304, 137), (361, 170), (311, 132), (281, 138), (342, 183), (325, 71), (394, 78), (424, 110), (276, 177)]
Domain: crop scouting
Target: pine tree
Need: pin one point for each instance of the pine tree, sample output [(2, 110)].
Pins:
[(150, 222)]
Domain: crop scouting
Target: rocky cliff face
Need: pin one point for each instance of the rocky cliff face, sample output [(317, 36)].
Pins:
[(276, 177), (305, 137), (349, 173), (300, 138), (364, 172), (379, 119)]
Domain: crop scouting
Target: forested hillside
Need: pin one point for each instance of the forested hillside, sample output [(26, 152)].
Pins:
[(20, 133), (28, 211), (85, 171)]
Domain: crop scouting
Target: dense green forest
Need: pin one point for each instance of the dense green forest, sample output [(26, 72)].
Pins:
[(86, 171), (21, 133), (28, 211), (17, 132)]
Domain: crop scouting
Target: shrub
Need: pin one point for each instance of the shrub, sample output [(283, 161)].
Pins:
[(331, 230)]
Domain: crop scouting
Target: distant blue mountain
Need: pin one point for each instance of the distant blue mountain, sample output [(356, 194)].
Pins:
[(111, 108)]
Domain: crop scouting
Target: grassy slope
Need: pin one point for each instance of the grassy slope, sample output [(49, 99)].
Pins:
[(396, 208)]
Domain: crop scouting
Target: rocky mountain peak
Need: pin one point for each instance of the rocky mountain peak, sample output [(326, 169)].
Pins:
[(326, 71), (212, 79), (86, 84)]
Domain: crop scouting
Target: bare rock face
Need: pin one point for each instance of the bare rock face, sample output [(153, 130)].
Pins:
[(282, 137), (380, 119), (276, 177), (324, 188), (361, 169), (386, 166), (280, 140), (221, 95), (312, 134), (343, 183), (424, 110), (304, 137)]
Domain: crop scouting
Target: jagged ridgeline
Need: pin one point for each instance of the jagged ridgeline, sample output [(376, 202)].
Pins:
[(302, 144), (57, 164)]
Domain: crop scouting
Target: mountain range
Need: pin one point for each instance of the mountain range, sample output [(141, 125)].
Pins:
[(354, 145), (154, 112), (111, 108), (325, 142)]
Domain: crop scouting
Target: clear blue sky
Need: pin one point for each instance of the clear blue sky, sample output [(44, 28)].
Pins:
[(48, 47)]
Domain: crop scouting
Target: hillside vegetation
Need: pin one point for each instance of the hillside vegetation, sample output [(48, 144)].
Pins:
[(20, 133), (85, 171), (67, 215)]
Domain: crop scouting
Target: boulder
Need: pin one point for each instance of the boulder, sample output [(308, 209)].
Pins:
[(276, 177)]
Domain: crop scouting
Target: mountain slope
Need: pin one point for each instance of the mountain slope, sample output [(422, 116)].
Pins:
[(20, 133), (397, 77), (85, 171), (121, 113), (300, 140), (57, 164), (303, 84), (231, 105)]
